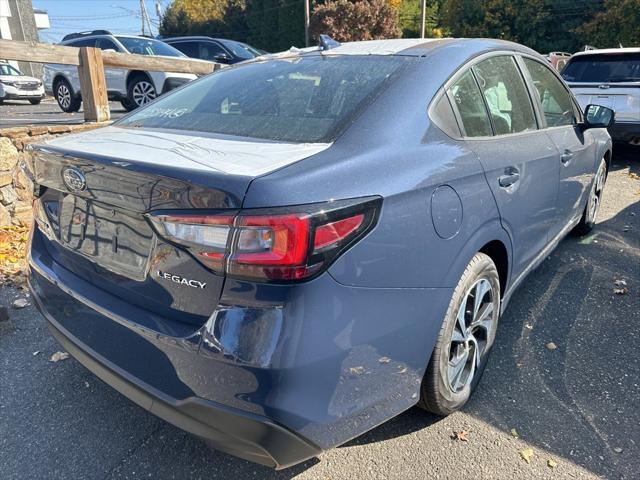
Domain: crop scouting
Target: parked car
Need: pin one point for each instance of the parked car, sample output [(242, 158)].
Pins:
[(609, 77), (218, 50), (558, 59), (282, 255), (132, 88), (16, 86)]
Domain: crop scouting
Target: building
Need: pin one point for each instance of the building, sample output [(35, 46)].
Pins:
[(18, 21)]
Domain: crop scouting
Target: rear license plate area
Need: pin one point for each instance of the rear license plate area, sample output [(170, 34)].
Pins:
[(117, 240)]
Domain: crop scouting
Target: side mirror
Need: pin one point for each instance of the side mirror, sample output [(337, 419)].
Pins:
[(221, 57), (597, 116)]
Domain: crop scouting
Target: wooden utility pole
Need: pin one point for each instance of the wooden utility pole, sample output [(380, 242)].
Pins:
[(306, 23), (93, 85), (424, 18)]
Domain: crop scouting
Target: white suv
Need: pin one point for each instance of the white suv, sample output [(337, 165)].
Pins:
[(611, 78), (132, 88)]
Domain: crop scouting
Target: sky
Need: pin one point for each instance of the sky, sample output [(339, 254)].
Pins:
[(117, 16)]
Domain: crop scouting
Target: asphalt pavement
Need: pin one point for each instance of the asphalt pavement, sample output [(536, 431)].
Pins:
[(16, 113), (577, 407)]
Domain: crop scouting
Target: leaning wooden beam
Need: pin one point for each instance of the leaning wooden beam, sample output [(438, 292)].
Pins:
[(45, 53)]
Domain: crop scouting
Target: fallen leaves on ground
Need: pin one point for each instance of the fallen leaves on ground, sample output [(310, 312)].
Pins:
[(634, 175), (356, 370), (461, 436), (13, 252), (527, 454), (552, 463), (620, 287), (551, 346), (514, 433), (20, 303), (384, 360), (59, 356)]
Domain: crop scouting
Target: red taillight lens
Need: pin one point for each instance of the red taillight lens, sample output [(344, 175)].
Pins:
[(330, 233), (269, 245)]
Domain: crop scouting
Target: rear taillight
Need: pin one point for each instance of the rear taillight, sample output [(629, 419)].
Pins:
[(287, 244)]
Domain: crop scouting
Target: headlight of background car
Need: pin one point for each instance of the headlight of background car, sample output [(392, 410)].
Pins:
[(7, 82)]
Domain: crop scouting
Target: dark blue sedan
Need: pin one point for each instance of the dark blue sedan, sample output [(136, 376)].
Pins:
[(286, 253)]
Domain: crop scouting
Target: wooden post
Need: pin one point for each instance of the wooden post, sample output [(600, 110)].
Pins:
[(93, 85)]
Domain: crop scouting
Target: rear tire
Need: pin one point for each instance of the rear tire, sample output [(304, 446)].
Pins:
[(141, 90), (590, 214), (67, 100), (465, 339), (128, 105)]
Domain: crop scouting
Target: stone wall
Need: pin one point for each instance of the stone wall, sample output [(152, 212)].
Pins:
[(15, 188)]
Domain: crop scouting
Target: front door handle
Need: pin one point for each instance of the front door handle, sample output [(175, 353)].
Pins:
[(566, 157), (511, 176)]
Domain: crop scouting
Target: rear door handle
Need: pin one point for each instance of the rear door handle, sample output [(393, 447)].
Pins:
[(511, 176), (566, 157)]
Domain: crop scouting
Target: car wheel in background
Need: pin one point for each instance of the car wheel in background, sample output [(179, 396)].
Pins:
[(128, 105), (465, 339), (141, 91), (35, 101), (67, 100), (588, 220)]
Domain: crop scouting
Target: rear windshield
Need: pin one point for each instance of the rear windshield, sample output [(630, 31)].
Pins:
[(603, 68), (300, 99)]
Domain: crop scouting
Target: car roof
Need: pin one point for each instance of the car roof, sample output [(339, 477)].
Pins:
[(416, 47), (198, 37), (610, 51)]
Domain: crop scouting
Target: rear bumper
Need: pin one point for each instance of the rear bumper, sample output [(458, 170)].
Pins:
[(625, 132), (239, 433)]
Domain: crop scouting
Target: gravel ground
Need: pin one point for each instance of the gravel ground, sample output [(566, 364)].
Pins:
[(577, 407)]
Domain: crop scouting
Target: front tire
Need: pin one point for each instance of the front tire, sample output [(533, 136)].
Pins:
[(465, 339), (590, 214), (141, 91), (67, 100)]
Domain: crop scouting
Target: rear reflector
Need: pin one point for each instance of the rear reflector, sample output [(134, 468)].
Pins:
[(272, 245)]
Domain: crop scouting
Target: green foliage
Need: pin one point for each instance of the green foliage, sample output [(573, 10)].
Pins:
[(618, 24), (346, 20), (411, 16)]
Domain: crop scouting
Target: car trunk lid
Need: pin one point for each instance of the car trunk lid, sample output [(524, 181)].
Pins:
[(98, 189)]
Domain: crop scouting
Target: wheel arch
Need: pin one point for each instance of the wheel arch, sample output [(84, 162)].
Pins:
[(497, 251), (137, 73)]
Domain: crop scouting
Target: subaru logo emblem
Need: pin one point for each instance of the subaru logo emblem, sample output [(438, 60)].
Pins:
[(74, 179)]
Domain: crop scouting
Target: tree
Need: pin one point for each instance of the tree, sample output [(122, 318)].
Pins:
[(346, 20), (410, 13), (618, 24)]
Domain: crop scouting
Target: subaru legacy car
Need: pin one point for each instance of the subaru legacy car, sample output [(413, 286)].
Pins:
[(286, 253), (132, 88)]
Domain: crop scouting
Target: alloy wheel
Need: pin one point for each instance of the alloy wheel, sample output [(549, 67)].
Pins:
[(143, 92), (595, 196), (64, 96), (472, 334)]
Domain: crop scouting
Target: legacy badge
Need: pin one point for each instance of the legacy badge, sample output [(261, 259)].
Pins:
[(181, 280)]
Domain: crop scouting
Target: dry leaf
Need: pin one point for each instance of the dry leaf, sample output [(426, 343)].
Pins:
[(402, 369), (514, 433), (620, 283), (552, 463), (527, 454), (384, 359), (618, 450), (551, 346), (20, 303), (58, 356), (35, 353), (461, 435), (356, 370), (621, 291)]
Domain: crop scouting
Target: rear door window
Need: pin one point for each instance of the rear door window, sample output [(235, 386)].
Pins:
[(556, 102), (467, 100), (506, 95), (190, 49), (609, 68)]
